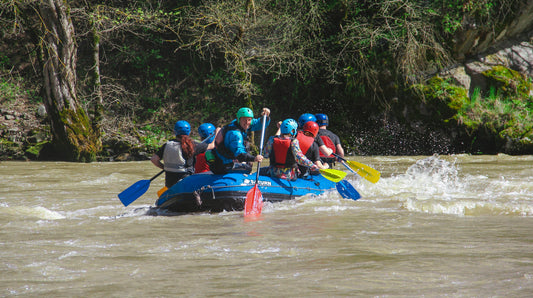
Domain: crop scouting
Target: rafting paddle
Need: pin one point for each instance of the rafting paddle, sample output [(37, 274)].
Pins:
[(345, 189), (253, 205), (362, 170), (332, 174), (138, 188)]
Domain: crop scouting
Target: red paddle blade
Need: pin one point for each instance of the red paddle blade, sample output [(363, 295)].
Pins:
[(254, 202)]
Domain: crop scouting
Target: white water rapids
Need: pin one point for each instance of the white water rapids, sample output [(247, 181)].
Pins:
[(456, 225)]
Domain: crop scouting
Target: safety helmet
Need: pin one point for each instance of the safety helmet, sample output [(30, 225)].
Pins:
[(205, 130), (311, 127), (182, 127), (304, 118), (322, 119), (244, 112), (289, 126)]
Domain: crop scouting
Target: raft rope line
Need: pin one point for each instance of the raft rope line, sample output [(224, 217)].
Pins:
[(197, 193)]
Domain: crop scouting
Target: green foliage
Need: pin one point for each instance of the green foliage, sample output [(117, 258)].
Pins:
[(9, 91), (508, 81), (153, 137), (34, 151), (442, 92), (506, 110), (167, 60), (4, 61), (386, 44), (454, 15), (10, 88)]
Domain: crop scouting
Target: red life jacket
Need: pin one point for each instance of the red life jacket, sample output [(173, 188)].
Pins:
[(283, 157), (305, 142), (201, 164), (329, 143)]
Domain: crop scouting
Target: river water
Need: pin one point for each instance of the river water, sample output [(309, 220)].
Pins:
[(459, 226)]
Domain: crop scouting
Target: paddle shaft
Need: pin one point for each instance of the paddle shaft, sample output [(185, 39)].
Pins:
[(254, 199), (348, 167), (261, 147), (339, 157), (157, 175), (343, 161)]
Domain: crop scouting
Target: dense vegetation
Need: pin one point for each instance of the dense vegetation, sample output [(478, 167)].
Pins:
[(142, 65)]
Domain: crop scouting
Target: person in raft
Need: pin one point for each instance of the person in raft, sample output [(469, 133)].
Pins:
[(330, 139), (285, 153), (309, 146), (231, 153), (207, 132), (177, 155), (306, 117)]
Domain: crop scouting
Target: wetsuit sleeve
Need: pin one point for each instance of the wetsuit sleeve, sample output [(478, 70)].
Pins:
[(258, 125), (200, 148), (235, 143), (161, 151), (268, 147), (247, 157), (300, 157)]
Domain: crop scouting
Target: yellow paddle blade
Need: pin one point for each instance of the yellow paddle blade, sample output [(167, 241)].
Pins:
[(364, 171), (333, 175)]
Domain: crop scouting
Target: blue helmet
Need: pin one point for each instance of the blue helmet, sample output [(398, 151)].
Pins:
[(322, 119), (289, 126), (182, 127), (304, 118), (205, 130)]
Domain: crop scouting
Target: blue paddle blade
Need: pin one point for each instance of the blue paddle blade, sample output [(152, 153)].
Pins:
[(347, 191), (133, 192)]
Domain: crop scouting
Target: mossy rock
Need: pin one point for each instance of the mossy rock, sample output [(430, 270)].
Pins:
[(34, 151), (447, 97), (10, 150), (509, 82)]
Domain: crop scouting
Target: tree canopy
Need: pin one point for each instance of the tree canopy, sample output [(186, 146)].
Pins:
[(142, 65)]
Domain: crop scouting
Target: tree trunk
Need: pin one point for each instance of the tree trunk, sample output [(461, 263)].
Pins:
[(74, 138), (96, 80)]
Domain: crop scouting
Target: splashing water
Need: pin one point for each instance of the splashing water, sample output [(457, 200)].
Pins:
[(435, 185)]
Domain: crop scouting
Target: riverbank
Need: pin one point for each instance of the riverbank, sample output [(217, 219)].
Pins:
[(446, 79), (25, 135)]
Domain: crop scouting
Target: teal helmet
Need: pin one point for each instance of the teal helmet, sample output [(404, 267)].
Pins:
[(182, 127), (244, 112), (289, 126), (304, 118), (207, 130)]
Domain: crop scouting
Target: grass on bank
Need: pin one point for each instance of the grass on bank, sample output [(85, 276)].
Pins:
[(505, 108)]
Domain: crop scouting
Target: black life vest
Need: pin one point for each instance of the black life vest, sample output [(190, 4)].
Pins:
[(283, 156)]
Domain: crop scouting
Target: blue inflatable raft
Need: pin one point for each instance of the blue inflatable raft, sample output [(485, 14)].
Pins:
[(216, 193)]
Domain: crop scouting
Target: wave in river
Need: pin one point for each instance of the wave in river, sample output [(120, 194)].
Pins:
[(435, 185)]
